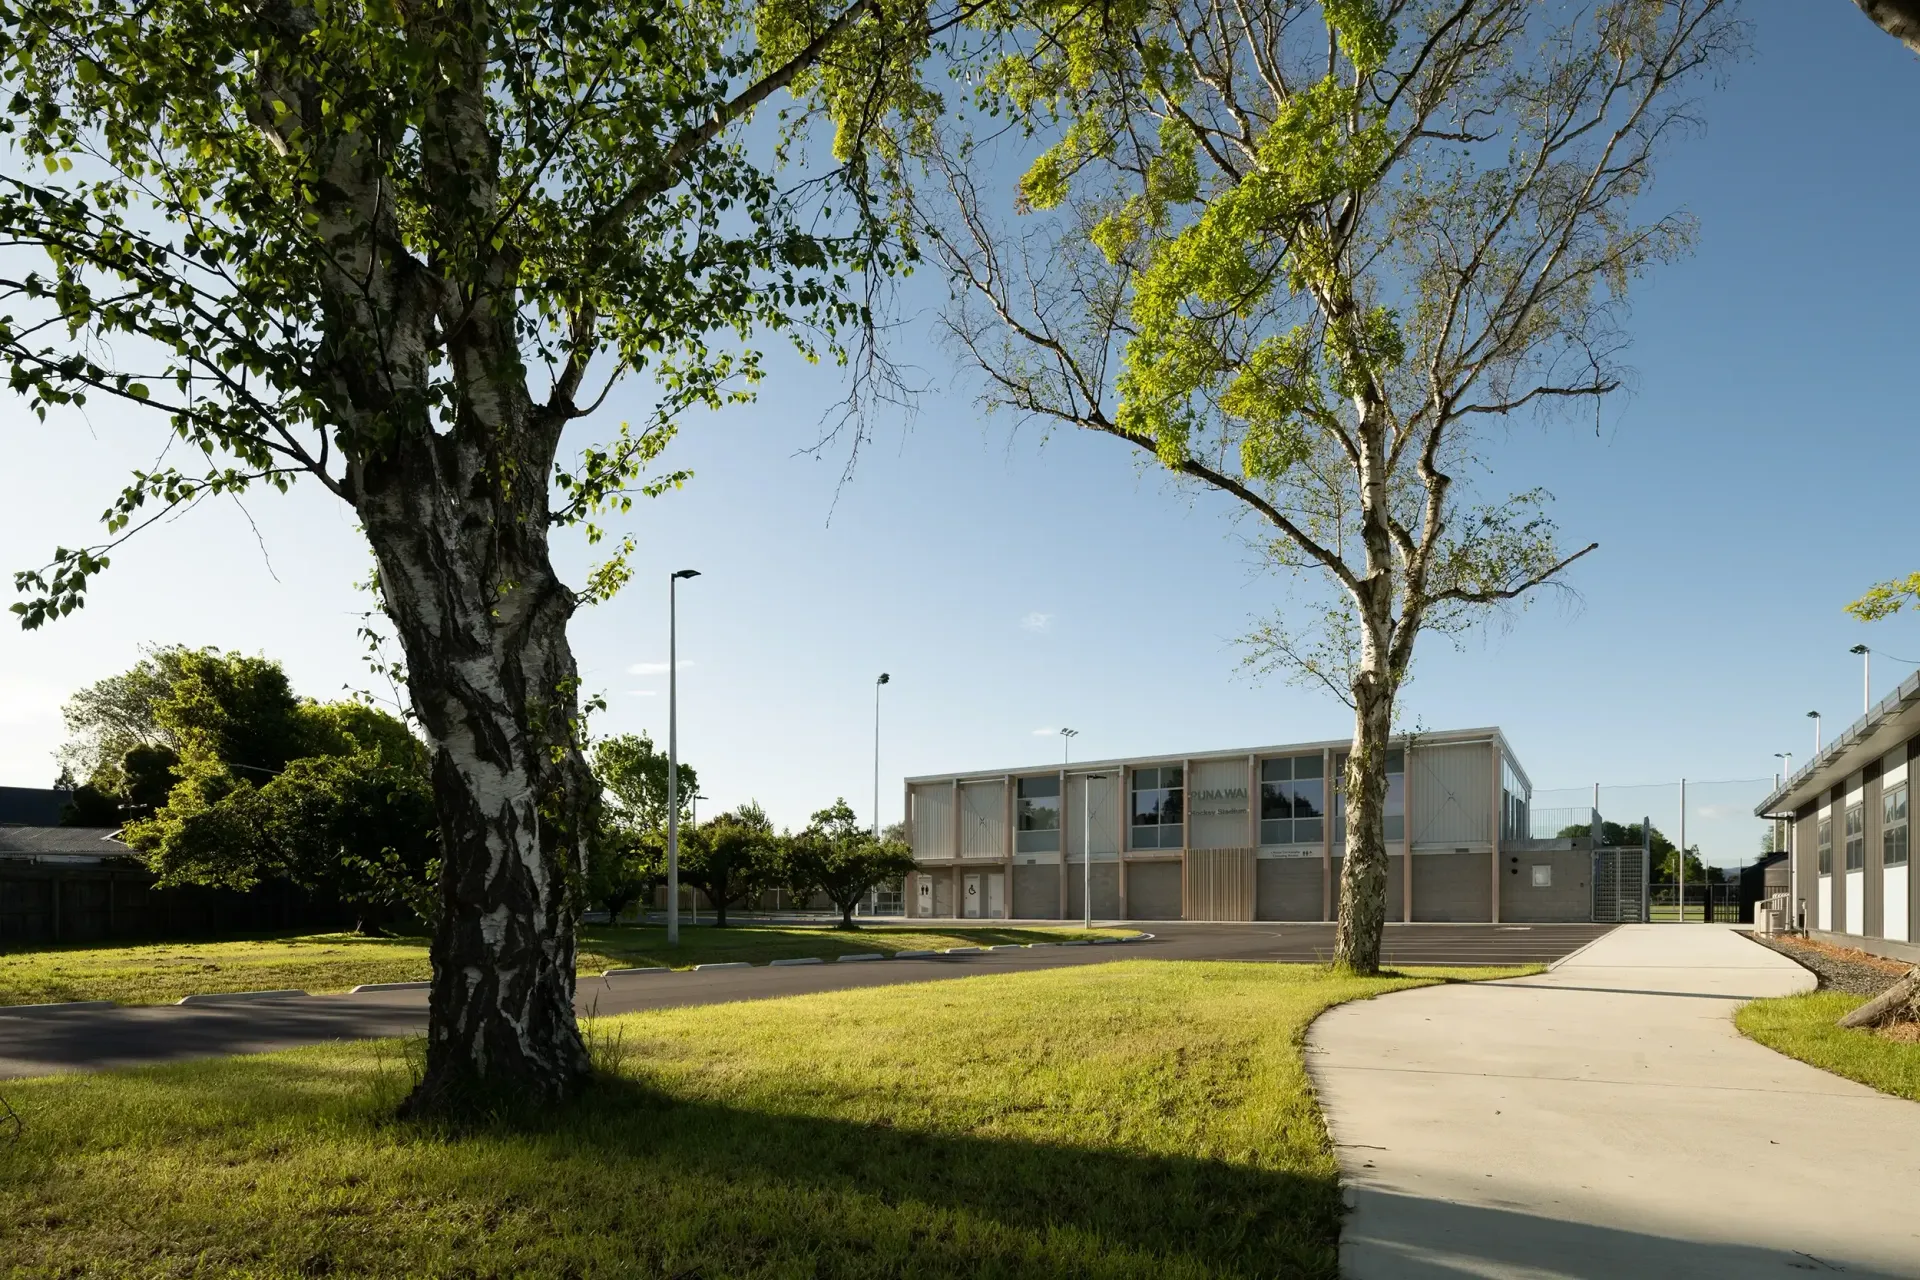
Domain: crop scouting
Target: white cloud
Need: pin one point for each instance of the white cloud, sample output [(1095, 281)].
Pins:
[(1713, 812), (654, 668), (1037, 621)]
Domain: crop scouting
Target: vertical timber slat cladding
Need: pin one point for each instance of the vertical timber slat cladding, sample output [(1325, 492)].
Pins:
[(1453, 795), (1288, 888), (1153, 891), (983, 820), (932, 830), (1451, 887), (1106, 893), (1220, 884), (1567, 893), (1219, 804), (1037, 891)]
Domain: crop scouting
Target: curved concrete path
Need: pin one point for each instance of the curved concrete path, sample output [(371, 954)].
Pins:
[(1606, 1119)]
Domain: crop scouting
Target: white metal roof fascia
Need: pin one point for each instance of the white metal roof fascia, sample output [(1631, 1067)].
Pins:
[(1449, 737), (1869, 737)]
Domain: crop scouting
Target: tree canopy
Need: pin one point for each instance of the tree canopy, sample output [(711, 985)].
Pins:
[(836, 855)]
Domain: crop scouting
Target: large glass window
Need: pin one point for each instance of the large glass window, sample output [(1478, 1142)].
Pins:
[(1037, 816), (1515, 800), (1893, 826), (1158, 808), (1826, 846), (1856, 836), (1293, 800), (1396, 819)]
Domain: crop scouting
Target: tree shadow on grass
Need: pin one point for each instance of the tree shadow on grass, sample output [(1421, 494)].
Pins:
[(872, 1199)]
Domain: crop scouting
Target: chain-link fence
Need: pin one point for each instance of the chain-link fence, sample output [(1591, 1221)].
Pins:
[(1715, 821)]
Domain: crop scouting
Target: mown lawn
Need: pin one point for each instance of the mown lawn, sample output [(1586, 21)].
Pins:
[(1803, 1027), (1143, 1118), (162, 972)]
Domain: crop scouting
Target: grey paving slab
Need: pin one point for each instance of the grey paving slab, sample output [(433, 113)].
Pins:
[(1606, 1119)]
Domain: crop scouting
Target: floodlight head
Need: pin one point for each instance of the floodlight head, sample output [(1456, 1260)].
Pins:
[(1069, 733), (686, 573), (1859, 648), (884, 678), (1813, 715)]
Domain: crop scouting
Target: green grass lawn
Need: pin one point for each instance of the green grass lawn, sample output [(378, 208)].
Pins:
[(161, 972), (1803, 1027), (1142, 1118)]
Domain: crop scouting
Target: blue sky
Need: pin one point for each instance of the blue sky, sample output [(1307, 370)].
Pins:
[(1758, 477)]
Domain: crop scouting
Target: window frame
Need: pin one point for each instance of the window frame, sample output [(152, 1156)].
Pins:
[(1891, 826), (1158, 834), (1029, 838), (1395, 804), (1823, 842), (1286, 793), (1856, 836)]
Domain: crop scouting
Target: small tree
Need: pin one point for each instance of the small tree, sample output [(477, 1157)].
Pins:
[(623, 867), (839, 857), (1311, 257), (731, 858)]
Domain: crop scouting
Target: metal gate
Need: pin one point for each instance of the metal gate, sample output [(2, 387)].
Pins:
[(1696, 904), (1620, 885)]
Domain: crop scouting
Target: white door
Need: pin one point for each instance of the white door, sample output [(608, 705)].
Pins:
[(997, 896), (972, 911), (924, 896)]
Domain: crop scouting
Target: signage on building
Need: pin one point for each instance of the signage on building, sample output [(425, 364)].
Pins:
[(1218, 802)]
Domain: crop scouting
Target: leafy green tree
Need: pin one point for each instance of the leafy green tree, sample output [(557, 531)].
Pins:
[(397, 251), (633, 777), (839, 857), (731, 858), (624, 868), (359, 827), (1314, 257), (1660, 869)]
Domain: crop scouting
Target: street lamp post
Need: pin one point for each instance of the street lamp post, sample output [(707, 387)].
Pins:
[(1066, 744), (1866, 677), (673, 754), (884, 678), (1086, 846), (1815, 717)]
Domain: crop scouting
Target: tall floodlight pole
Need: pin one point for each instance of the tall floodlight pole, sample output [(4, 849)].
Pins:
[(1866, 677), (1066, 744), (1815, 717), (1086, 846), (884, 678), (673, 754), (1680, 860)]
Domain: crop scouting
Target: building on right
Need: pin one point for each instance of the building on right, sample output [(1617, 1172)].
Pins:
[(1848, 812)]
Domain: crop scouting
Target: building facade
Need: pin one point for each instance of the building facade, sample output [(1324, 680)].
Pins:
[(1848, 814), (1248, 834)]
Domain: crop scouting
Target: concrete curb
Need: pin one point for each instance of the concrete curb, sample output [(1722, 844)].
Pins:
[(869, 955), (963, 951), (391, 986), (1032, 945), (781, 964), (724, 964), (1007, 946), (627, 973), (240, 997), (37, 1010)]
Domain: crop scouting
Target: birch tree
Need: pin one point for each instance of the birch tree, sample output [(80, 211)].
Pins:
[(402, 249), (1314, 258)]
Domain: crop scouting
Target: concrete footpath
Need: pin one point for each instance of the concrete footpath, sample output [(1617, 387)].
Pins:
[(1606, 1119)]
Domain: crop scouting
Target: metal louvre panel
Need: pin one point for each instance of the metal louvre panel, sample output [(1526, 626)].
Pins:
[(1452, 797), (1103, 819), (983, 819), (933, 821)]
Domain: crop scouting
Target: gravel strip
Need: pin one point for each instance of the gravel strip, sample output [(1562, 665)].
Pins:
[(1837, 970)]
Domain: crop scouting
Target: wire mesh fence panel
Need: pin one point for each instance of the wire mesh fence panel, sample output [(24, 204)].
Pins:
[(1721, 834)]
